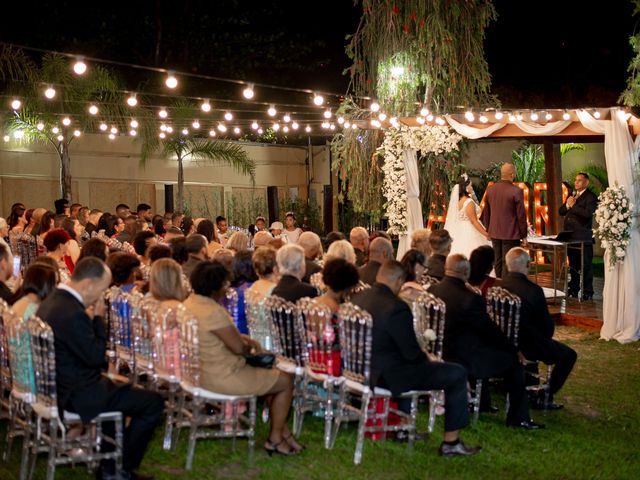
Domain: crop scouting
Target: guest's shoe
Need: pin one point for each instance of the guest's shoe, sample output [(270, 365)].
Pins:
[(587, 296), (272, 448), (457, 450), (527, 425), (403, 437)]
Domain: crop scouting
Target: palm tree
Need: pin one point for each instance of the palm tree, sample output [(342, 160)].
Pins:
[(181, 147), (40, 119)]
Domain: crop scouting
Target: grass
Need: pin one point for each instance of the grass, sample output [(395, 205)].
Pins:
[(594, 437)]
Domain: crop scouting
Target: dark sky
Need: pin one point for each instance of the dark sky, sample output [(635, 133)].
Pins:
[(560, 53)]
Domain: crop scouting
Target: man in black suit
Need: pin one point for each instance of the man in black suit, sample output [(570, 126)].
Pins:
[(74, 312), (380, 250), (290, 260), (398, 363), (312, 246), (440, 243), (578, 213), (536, 325), (472, 339)]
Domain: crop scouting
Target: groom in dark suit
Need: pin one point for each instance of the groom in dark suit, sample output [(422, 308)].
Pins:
[(74, 312), (578, 213), (504, 215)]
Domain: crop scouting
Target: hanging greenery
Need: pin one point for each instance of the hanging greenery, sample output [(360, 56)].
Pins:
[(631, 95)]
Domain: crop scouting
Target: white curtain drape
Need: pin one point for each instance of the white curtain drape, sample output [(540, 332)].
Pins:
[(472, 133), (414, 209), (551, 128), (621, 304)]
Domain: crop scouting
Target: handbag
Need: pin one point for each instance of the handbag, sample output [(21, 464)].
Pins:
[(261, 360)]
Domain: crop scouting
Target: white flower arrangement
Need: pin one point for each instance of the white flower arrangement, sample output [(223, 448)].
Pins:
[(426, 139), (614, 216)]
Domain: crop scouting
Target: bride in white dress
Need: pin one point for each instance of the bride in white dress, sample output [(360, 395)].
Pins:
[(462, 219)]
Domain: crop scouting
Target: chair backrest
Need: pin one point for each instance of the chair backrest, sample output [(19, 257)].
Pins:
[(27, 250), (356, 330), (108, 298), (316, 281), (318, 333), (122, 306), (231, 304), (426, 281), (142, 315), (428, 322), (43, 354), (189, 347), (19, 346), (361, 286), (5, 370), (504, 309), (165, 326), (286, 337), (258, 319)]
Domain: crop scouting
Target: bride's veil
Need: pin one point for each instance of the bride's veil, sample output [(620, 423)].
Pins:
[(451, 219)]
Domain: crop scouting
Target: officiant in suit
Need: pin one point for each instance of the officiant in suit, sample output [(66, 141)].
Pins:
[(578, 213), (504, 215)]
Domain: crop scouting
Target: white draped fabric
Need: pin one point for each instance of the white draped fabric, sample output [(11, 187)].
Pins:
[(551, 128), (470, 132), (621, 304), (414, 209)]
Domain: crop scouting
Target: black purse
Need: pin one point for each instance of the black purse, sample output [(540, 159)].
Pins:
[(261, 360)]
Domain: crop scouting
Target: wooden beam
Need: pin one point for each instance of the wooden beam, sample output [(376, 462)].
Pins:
[(575, 128), (553, 174)]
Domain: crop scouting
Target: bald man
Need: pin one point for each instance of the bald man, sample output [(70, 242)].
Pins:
[(380, 250), (504, 215)]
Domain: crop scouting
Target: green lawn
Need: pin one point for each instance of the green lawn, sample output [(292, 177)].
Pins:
[(595, 436)]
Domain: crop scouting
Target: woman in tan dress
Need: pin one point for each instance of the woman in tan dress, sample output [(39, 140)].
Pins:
[(223, 368)]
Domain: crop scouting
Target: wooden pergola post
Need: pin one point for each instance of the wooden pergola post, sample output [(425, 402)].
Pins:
[(553, 174)]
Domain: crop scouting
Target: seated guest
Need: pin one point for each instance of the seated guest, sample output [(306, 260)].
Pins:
[(473, 340), (38, 282), (238, 242), (56, 242), (225, 257), (223, 368), (205, 227), (290, 259), (262, 238), (159, 227), (156, 252), (17, 219), (123, 211), (535, 336), (73, 227), (380, 250), (94, 247), (62, 206), (266, 268), (481, 262), (116, 227), (188, 226), (129, 230), (178, 248), (440, 243), (92, 221), (74, 209), (6, 272), (378, 234), (243, 277), (144, 213), (141, 244), (341, 249), (172, 232), (198, 251), (166, 284), (420, 241), (48, 262), (4, 232), (74, 312), (359, 238), (413, 262), (276, 243), (176, 219), (332, 237), (312, 246), (125, 269), (398, 363)]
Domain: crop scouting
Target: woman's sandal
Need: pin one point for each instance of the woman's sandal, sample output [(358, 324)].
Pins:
[(297, 450), (272, 448)]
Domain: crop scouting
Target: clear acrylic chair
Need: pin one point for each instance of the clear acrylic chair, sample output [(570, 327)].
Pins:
[(142, 312), (49, 434), (428, 323), (360, 286), (284, 317), (321, 357), (27, 250), (355, 326), (258, 319), (316, 281), (426, 281), (120, 312), (193, 398), (5, 370)]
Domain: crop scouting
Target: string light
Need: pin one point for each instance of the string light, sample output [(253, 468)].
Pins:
[(260, 131), (169, 129), (519, 117), (114, 130), (162, 135), (512, 117), (163, 113), (332, 127), (55, 130), (93, 110), (66, 121), (420, 120), (205, 106), (353, 126), (228, 116), (394, 121), (103, 127), (133, 133), (248, 92), (375, 107), (237, 130), (133, 123), (286, 118), (171, 81), (534, 116), (18, 134), (499, 115), (440, 121), (424, 111), (77, 133), (132, 101), (16, 104), (376, 123), (111, 136), (566, 116), (596, 114), (272, 112), (429, 118), (347, 124), (61, 138), (285, 129), (276, 127), (469, 115), (340, 120), (185, 131), (327, 114), (382, 117), (40, 126), (325, 125), (318, 99), (212, 133), (195, 124), (163, 128), (483, 118), (80, 67), (295, 125), (6, 138), (255, 126), (548, 116), (307, 129), (222, 128), (50, 92)]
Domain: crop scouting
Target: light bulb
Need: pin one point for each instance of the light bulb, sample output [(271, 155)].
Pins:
[(276, 127), (40, 126), (133, 133), (196, 124), (18, 134), (394, 121), (50, 93), (397, 71), (163, 113), (248, 92), (469, 115), (340, 120), (519, 117), (112, 136), (237, 130), (222, 127), (499, 115), (133, 123), (228, 116), (534, 116), (325, 125), (163, 128), (295, 125), (114, 130), (596, 114), (66, 121), (79, 67), (6, 138), (272, 112), (375, 106), (212, 133), (375, 123), (332, 127), (548, 116), (93, 110), (424, 111), (171, 81), (429, 118), (162, 135), (77, 133), (169, 129), (255, 126), (103, 127), (347, 124), (260, 131), (286, 118), (566, 116), (327, 114), (206, 106), (483, 118), (185, 131), (60, 138), (285, 129), (420, 120), (382, 117), (55, 130), (307, 129), (318, 99), (16, 104), (512, 117), (353, 126), (132, 101)]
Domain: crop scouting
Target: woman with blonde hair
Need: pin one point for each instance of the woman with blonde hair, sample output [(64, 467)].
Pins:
[(341, 249), (238, 242), (165, 282)]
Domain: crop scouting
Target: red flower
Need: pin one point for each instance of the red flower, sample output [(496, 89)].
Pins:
[(413, 16), (406, 29), (396, 10), (421, 23)]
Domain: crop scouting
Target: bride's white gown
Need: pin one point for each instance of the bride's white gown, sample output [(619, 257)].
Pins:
[(466, 238)]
